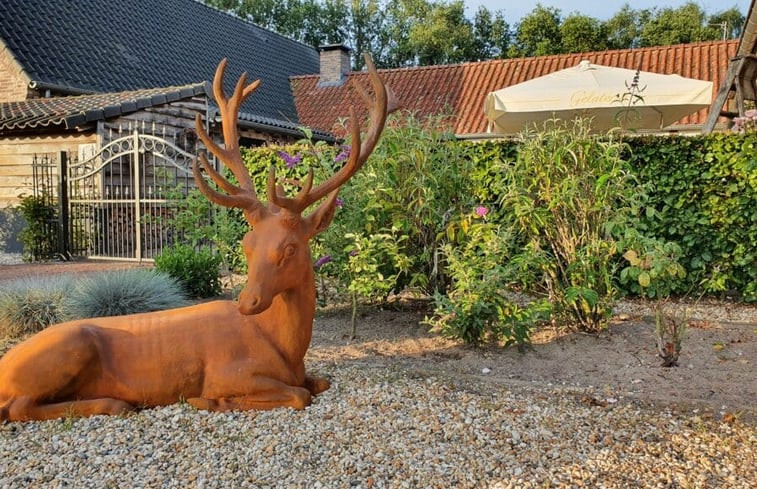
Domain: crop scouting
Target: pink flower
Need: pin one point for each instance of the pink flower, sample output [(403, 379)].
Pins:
[(481, 211)]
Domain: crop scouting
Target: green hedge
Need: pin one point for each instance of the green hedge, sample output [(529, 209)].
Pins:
[(704, 189)]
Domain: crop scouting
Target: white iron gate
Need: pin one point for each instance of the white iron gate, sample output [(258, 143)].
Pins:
[(121, 199)]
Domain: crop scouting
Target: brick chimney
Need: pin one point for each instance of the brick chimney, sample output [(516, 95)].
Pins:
[(335, 64)]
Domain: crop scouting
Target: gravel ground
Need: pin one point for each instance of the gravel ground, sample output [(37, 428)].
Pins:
[(393, 419), (10, 258), (379, 428)]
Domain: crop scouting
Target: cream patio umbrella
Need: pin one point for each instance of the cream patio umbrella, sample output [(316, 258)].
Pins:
[(612, 97)]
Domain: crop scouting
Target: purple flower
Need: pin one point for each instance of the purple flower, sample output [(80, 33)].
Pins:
[(481, 211), (339, 202), (353, 253), (322, 261), (290, 160), (343, 155)]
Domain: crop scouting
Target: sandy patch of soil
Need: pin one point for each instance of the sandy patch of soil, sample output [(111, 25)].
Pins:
[(717, 365)]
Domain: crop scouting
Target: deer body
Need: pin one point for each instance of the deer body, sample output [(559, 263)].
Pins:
[(110, 358), (209, 354), (221, 355)]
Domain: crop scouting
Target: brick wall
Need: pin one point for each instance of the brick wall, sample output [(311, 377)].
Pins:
[(13, 81), (335, 63)]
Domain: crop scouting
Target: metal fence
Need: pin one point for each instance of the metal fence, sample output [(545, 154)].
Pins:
[(117, 203)]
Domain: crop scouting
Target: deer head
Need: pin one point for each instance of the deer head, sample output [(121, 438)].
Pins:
[(276, 247)]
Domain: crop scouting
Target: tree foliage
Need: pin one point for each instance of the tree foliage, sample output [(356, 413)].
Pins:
[(581, 33), (400, 33), (685, 24), (539, 33)]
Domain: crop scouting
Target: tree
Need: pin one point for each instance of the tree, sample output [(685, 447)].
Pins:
[(445, 36), (538, 33), (684, 24), (581, 33), (401, 33), (367, 31), (623, 29), (491, 34), (324, 23), (401, 16), (731, 19)]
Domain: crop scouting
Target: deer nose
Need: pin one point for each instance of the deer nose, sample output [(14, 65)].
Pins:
[(251, 301), (249, 305)]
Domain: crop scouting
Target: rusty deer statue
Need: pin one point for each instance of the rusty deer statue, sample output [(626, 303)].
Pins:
[(218, 356)]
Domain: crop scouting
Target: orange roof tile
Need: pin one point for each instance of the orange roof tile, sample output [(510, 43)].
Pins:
[(459, 90)]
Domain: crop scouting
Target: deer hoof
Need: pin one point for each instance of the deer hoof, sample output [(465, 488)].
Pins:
[(316, 385)]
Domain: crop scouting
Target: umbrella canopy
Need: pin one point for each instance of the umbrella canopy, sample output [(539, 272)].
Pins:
[(611, 97)]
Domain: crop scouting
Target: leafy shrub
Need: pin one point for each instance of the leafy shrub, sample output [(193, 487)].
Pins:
[(416, 179), (367, 256), (31, 304), (653, 269), (197, 271), (121, 292), (200, 223), (567, 196), (477, 307), (40, 240)]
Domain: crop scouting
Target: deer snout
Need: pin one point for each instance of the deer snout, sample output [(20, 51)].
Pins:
[(252, 303)]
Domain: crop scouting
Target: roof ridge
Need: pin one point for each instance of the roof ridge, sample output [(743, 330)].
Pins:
[(75, 110), (529, 58)]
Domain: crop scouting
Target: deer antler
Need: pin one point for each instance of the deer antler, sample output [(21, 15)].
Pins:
[(242, 196), (383, 103)]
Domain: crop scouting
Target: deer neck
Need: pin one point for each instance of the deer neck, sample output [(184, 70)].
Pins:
[(288, 322)]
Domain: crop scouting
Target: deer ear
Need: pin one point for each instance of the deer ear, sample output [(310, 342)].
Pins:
[(320, 218)]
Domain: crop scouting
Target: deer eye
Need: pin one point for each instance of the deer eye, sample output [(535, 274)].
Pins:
[(289, 250)]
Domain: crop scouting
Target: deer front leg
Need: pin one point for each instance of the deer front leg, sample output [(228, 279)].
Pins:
[(263, 393)]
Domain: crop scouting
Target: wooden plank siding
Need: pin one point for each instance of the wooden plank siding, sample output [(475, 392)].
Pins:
[(174, 121), (17, 154)]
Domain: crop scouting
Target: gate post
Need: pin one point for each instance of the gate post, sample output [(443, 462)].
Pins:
[(137, 198), (64, 247)]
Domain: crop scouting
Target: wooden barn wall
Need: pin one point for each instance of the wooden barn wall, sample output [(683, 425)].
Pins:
[(17, 154), (173, 121)]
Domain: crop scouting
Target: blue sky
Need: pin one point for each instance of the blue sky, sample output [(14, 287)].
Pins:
[(603, 9)]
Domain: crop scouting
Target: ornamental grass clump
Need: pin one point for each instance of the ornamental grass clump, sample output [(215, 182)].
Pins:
[(121, 292), (30, 304)]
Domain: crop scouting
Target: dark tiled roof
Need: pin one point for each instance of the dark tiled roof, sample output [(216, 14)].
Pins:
[(119, 45), (70, 112), (459, 90)]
